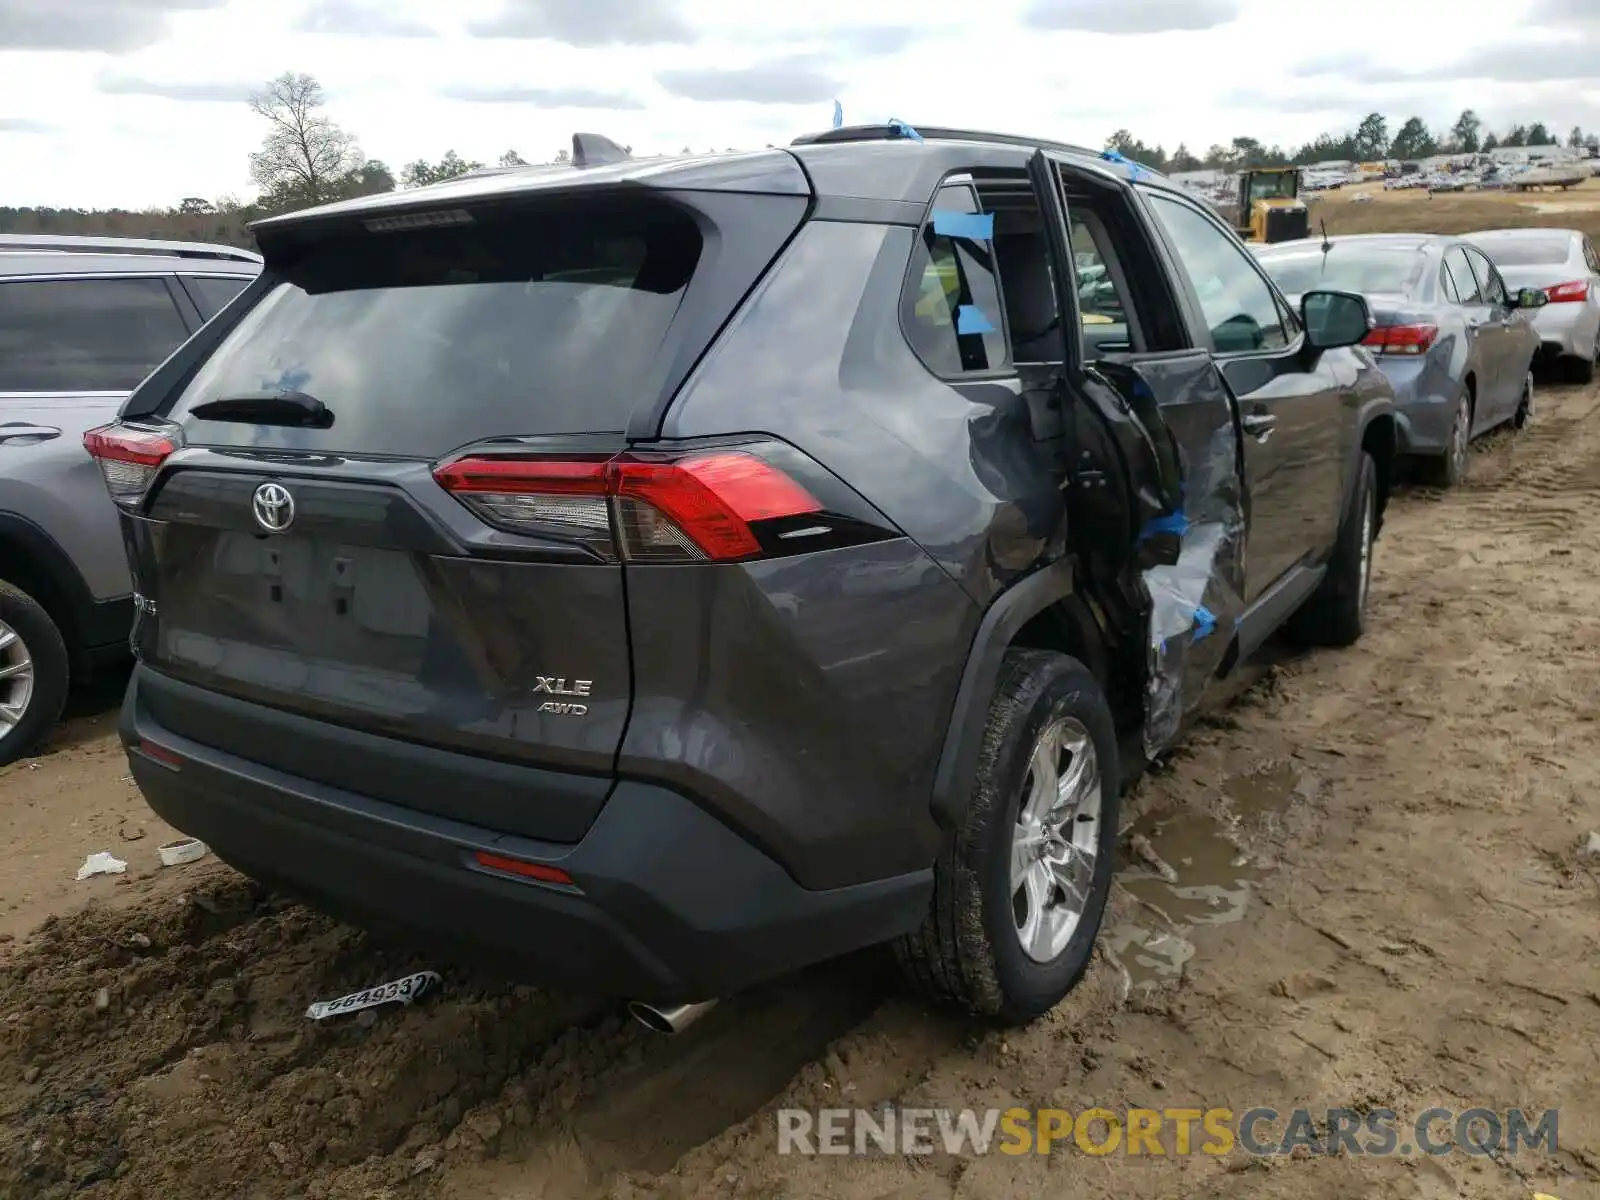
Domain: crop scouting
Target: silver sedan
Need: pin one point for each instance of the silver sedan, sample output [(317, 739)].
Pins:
[(1563, 263), (1455, 343)]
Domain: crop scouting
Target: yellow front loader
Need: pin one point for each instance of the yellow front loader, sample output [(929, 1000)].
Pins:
[(1270, 208)]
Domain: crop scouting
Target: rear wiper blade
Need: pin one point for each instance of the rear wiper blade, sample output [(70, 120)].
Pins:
[(268, 408)]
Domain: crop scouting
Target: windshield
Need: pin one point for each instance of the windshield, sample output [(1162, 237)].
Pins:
[(1346, 268), (1524, 251), (1278, 185), (419, 341)]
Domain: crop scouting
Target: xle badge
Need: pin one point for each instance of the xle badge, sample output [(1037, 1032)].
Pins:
[(553, 685)]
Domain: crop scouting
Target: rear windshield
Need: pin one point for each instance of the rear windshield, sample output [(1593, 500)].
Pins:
[(1346, 268), (1525, 251), (420, 341)]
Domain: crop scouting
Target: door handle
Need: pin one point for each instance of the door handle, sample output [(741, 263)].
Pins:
[(30, 433), (1258, 425)]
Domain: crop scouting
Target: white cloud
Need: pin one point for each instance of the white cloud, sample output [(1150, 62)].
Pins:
[(139, 107)]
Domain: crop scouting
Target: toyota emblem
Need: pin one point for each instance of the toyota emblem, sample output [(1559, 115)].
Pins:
[(274, 507)]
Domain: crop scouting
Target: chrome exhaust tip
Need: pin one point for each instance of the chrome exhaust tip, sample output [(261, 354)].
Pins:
[(670, 1020)]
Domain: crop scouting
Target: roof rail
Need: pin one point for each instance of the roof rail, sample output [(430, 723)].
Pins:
[(886, 133), (74, 244)]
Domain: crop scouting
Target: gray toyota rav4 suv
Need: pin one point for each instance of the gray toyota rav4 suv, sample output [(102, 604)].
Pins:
[(657, 575), (82, 320)]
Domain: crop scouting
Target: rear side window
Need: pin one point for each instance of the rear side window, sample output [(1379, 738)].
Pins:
[(520, 322), (85, 335), (1447, 284), (211, 293), (1489, 285), (1455, 260), (951, 309)]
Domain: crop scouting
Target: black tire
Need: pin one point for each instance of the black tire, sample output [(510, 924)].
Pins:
[(1524, 414), (1336, 613), (968, 950), (1450, 469), (22, 615), (1579, 370)]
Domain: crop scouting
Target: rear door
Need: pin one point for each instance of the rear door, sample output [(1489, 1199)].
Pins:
[(1486, 346), (1163, 402), (1506, 330), (71, 348), (429, 555)]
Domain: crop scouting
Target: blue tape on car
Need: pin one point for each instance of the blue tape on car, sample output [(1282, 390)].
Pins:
[(1177, 523), (1204, 622), (970, 319), (1135, 171), (900, 129), (979, 227)]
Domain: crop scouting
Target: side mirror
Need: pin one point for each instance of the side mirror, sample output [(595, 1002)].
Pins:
[(1530, 298), (1334, 319)]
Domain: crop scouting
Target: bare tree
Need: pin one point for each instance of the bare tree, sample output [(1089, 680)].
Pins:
[(305, 158)]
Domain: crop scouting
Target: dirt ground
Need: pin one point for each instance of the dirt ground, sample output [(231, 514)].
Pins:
[(1379, 895), (1367, 208)]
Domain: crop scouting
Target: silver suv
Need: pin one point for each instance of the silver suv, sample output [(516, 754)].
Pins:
[(82, 320)]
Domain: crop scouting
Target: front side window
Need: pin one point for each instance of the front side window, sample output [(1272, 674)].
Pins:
[(85, 335), (951, 310), (1241, 312)]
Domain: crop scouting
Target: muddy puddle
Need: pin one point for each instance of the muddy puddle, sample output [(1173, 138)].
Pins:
[(1190, 868)]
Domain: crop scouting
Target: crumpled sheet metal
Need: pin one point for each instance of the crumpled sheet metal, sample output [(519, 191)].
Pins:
[(1196, 603)]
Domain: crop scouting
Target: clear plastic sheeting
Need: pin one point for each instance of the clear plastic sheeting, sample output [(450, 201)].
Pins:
[(1195, 603)]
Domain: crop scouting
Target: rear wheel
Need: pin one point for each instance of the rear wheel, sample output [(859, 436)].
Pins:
[(34, 673), (1336, 614), (1020, 891), (1582, 370), (1524, 413), (1451, 469)]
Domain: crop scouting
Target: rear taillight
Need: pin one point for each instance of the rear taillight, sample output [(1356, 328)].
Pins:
[(1402, 339), (129, 457), (1569, 293), (697, 507)]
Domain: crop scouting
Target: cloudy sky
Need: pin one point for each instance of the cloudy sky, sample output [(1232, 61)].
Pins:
[(139, 102)]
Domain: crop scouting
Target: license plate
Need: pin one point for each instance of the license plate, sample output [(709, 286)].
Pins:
[(399, 991)]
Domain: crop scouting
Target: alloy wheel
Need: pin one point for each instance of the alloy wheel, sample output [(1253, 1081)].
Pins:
[(16, 679), (1057, 839), (1460, 436)]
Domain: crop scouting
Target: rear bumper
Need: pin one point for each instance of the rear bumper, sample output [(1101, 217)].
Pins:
[(1424, 406), (670, 904), (1566, 331)]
